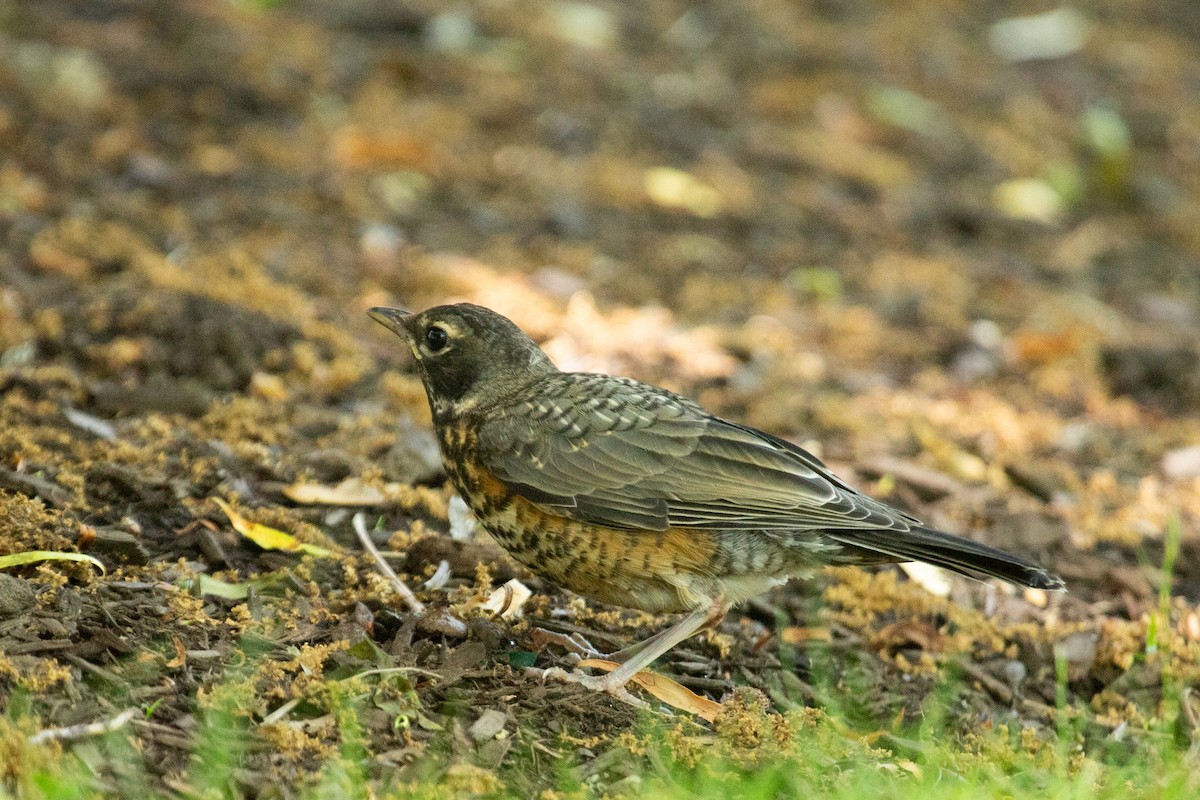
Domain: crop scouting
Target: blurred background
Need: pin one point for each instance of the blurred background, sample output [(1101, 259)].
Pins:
[(952, 247), (873, 224)]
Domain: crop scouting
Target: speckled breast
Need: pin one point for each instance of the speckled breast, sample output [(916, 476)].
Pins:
[(650, 570)]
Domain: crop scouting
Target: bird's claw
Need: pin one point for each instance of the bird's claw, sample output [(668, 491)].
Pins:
[(543, 675), (577, 646), (596, 683)]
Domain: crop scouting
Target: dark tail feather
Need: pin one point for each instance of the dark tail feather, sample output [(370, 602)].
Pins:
[(952, 552)]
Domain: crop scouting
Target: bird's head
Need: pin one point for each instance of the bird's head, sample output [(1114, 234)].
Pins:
[(467, 355)]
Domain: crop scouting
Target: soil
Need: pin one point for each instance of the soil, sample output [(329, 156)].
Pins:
[(971, 285)]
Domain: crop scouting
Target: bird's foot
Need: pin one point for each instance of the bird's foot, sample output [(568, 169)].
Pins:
[(597, 683), (578, 648)]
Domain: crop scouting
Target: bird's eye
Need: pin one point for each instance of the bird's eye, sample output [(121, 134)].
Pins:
[(436, 338)]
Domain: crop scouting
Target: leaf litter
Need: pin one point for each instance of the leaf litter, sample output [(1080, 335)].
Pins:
[(171, 331)]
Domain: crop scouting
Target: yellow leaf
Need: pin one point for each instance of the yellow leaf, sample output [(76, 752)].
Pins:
[(265, 537), (665, 689), (30, 556), (870, 737), (268, 387), (675, 189), (218, 588)]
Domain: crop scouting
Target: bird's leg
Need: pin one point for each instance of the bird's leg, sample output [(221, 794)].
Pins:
[(623, 655), (699, 620), (643, 653), (580, 648)]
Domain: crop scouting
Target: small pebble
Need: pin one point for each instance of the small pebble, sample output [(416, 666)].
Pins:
[(490, 723), (1029, 199), (1015, 673), (1039, 37), (451, 32), (584, 25), (1182, 464)]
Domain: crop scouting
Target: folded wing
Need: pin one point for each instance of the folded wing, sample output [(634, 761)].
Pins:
[(628, 455)]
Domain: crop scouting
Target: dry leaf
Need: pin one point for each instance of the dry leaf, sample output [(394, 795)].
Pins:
[(910, 633), (1041, 347), (268, 387), (797, 635), (463, 523), (205, 584), (678, 190), (350, 492), (268, 538), (180, 658), (508, 600), (439, 578), (665, 689), (357, 148)]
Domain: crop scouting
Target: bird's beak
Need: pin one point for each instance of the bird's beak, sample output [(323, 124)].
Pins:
[(394, 319)]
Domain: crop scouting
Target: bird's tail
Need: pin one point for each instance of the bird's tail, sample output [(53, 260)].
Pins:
[(947, 550)]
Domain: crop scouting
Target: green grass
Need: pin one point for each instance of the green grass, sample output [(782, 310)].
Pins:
[(864, 741), (805, 753)]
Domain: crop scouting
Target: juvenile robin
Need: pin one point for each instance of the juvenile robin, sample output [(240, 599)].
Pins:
[(633, 495)]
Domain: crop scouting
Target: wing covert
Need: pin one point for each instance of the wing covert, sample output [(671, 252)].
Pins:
[(621, 453)]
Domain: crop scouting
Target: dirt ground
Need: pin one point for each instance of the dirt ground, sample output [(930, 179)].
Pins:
[(969, 281)]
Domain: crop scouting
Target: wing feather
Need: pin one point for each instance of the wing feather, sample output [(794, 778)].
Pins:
[(624, 454)]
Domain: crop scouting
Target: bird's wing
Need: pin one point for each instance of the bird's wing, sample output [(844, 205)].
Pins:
[(628, 455)]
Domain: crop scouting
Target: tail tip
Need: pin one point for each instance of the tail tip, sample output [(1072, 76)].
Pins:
[(1038, 578)]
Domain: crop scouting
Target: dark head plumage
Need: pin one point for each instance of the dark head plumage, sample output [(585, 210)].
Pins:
[(467, 354)]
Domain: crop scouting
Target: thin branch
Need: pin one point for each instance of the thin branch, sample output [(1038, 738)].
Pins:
[(281, 712), (1189, 713), (410, 599), (397, 671), (72, 732), (436, 622)]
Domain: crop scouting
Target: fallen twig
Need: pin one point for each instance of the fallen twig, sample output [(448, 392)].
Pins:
[(72, 732), (1193, 720), (436, 622), (396, 671), (410, 599), (1005, 694), (281, 712)]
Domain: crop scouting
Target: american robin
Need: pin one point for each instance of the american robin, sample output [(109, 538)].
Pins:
[(633, 495)]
